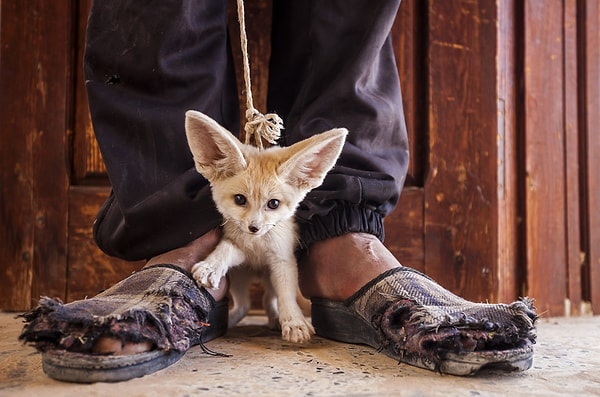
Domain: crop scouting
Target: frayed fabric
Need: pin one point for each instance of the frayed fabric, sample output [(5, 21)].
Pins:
[(160, 304), (419, 318)]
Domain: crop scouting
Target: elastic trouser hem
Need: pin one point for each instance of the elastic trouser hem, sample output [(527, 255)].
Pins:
[(341, 220)]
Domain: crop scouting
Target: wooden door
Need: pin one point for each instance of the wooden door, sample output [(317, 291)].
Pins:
[(501, 102)]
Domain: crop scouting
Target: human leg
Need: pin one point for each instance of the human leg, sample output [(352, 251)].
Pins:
[(341, 71), (145, 66), (332, 65)]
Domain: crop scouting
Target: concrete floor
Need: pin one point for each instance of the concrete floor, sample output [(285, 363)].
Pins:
[(567, 363)]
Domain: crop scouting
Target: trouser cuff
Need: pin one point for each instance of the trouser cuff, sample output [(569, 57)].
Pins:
[(341, 220)]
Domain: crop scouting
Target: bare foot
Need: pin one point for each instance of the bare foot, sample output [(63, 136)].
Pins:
[(338, 267), (111, 345), (184, 257)]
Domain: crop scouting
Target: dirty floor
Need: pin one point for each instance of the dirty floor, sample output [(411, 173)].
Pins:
[(566, 363)]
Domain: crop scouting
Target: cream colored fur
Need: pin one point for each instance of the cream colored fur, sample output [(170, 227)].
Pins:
[(257, 192)]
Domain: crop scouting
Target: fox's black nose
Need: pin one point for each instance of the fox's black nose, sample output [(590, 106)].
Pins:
[(253, 229)]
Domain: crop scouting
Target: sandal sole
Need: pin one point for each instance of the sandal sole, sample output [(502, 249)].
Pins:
[(86, 368), (334, 320)]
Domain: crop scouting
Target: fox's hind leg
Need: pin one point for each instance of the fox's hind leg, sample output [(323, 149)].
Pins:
[(240, 279), (270, 305)]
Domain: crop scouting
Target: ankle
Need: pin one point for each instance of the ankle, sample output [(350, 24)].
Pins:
[(337, 267), (187, 256)]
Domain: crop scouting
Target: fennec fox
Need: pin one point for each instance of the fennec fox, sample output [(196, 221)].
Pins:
[(257, 192)]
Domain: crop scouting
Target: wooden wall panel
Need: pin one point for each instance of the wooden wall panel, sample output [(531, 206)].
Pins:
[(508, 269), (461, 219), (90, 270), (404, 229), (404, 226), (572, 160), (35, 83), (590, 10), (88, 166), (409, 34), (258, 27), (544, 151), (502, 106)]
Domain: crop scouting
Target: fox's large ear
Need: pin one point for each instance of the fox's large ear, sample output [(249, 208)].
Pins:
[(312, 158), (216, 151)]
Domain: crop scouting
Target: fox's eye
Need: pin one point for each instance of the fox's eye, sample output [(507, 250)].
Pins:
[(239, 199), (273, 204)]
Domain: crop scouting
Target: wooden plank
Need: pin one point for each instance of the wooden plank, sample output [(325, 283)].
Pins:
[(34, 86), (258, 28), (591, 71), (16, 231), (404, 226), (572, 191), (461, 219), (90, 270), (88, 166), (544, 148), (508, 268), (404, 229), (408, 37)]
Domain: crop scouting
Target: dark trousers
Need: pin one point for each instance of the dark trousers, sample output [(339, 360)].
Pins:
[(332, 65)]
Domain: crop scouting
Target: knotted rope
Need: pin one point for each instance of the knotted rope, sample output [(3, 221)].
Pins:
[(258, 125)]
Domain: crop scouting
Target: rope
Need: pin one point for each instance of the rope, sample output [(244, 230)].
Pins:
[(259, 126)]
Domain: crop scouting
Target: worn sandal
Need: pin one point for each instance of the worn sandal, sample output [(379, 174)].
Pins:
[(413, 319), (161, 304)]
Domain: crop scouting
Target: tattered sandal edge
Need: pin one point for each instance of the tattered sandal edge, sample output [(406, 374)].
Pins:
[(338, 321), (70, 366)]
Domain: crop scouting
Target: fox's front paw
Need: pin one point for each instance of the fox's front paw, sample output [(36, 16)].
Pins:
[(208, 274), (296, 330)]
